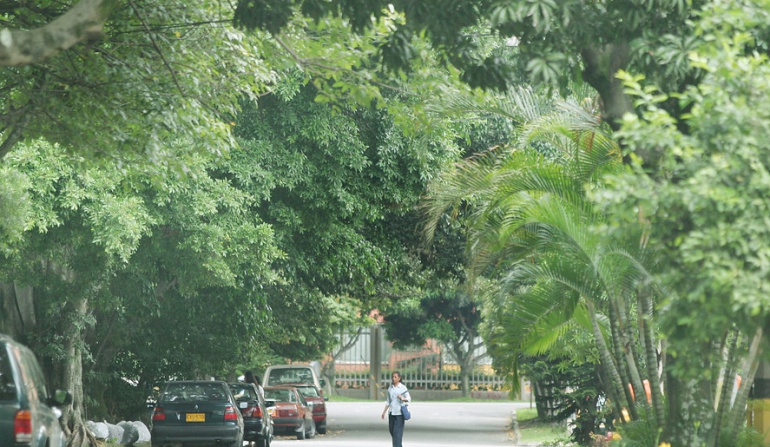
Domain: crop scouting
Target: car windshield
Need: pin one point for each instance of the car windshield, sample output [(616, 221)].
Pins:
[(7, 385), (291, 375), (280, 395), (308, 391), (193, 392)]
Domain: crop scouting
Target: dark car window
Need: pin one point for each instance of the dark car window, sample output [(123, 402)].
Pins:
[(193, 392), (243, 391), (7, 385)]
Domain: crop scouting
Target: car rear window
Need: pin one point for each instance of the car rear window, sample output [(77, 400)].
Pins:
[(291, 375), (7, 385), (280, 395), (193, 392), (308, 391)]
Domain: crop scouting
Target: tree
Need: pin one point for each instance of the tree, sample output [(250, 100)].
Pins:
[(530, 216), (705, 207), (167, 70), (343, 184), (90, 251), (450, 317)]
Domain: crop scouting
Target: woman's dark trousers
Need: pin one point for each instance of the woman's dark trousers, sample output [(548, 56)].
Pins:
[(396, 427)]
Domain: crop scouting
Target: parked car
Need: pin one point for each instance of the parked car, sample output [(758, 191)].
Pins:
[(29, 416), (314, 395), (292, 414), (196, 412), (278, 375), (257, 423)]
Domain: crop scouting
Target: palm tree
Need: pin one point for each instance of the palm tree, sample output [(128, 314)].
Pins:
[(529, 215)]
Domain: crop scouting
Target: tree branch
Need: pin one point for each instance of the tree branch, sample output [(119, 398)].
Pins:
[(83, 22)]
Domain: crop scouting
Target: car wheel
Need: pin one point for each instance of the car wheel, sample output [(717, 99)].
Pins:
[(301, 434), (312, 429), (321, 430)]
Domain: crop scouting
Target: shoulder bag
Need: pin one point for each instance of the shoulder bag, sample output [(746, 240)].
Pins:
[(405, 410)]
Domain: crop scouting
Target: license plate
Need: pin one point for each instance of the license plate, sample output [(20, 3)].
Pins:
[(195, 417), (271, 411)]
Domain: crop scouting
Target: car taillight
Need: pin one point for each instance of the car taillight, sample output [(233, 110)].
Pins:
[(158, 415), (257, 412), (230, 414), (22, 427)]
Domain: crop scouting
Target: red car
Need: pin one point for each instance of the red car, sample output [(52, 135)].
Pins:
[(314, 395), (292, 414)]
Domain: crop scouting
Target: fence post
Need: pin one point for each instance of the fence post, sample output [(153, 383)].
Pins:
[(375, 362)]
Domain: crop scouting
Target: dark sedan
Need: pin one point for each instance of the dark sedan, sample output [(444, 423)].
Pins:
[(197, 412), (257, 423), (292, 415), (29, 416), (314, 396)]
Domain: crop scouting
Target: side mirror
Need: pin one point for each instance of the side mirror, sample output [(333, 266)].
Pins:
[(323, 382), (326, 398)]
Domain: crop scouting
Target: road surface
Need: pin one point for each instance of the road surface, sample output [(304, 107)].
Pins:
[(433, 424)]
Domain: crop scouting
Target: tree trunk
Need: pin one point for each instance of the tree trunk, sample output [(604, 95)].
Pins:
[(651, 356), (630, 355), (72, 378), (18, 306), (465, 373), (738, 410), (617, 345), (600, 67), (616, 383)]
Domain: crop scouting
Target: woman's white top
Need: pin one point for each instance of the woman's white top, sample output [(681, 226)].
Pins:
[(393, 401)]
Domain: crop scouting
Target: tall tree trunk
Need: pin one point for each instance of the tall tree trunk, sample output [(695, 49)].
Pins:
[(628, 341), (728, 348), (617, 341), (465, 374), (18, 306), (72, 378), (738, 410), (616, 388), (646, 314)]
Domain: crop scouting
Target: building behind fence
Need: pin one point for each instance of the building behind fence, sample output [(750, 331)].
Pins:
[(427, 370)]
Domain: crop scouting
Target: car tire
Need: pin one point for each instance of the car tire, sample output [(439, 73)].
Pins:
[(312, 430), (321, 430), (302, 434)]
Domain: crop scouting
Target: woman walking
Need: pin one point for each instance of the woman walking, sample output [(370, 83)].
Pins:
[(397, 394)]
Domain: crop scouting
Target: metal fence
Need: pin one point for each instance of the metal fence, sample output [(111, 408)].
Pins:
[(424, 368)]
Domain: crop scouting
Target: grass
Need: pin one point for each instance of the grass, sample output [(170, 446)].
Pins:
[(534, 431)]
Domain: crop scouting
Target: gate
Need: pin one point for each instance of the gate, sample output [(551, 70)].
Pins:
[(369, 357)]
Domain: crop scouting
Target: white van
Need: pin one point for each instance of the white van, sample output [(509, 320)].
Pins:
[(277, 375)]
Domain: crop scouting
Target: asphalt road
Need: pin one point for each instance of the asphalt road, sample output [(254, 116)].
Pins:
[(433, 424)]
